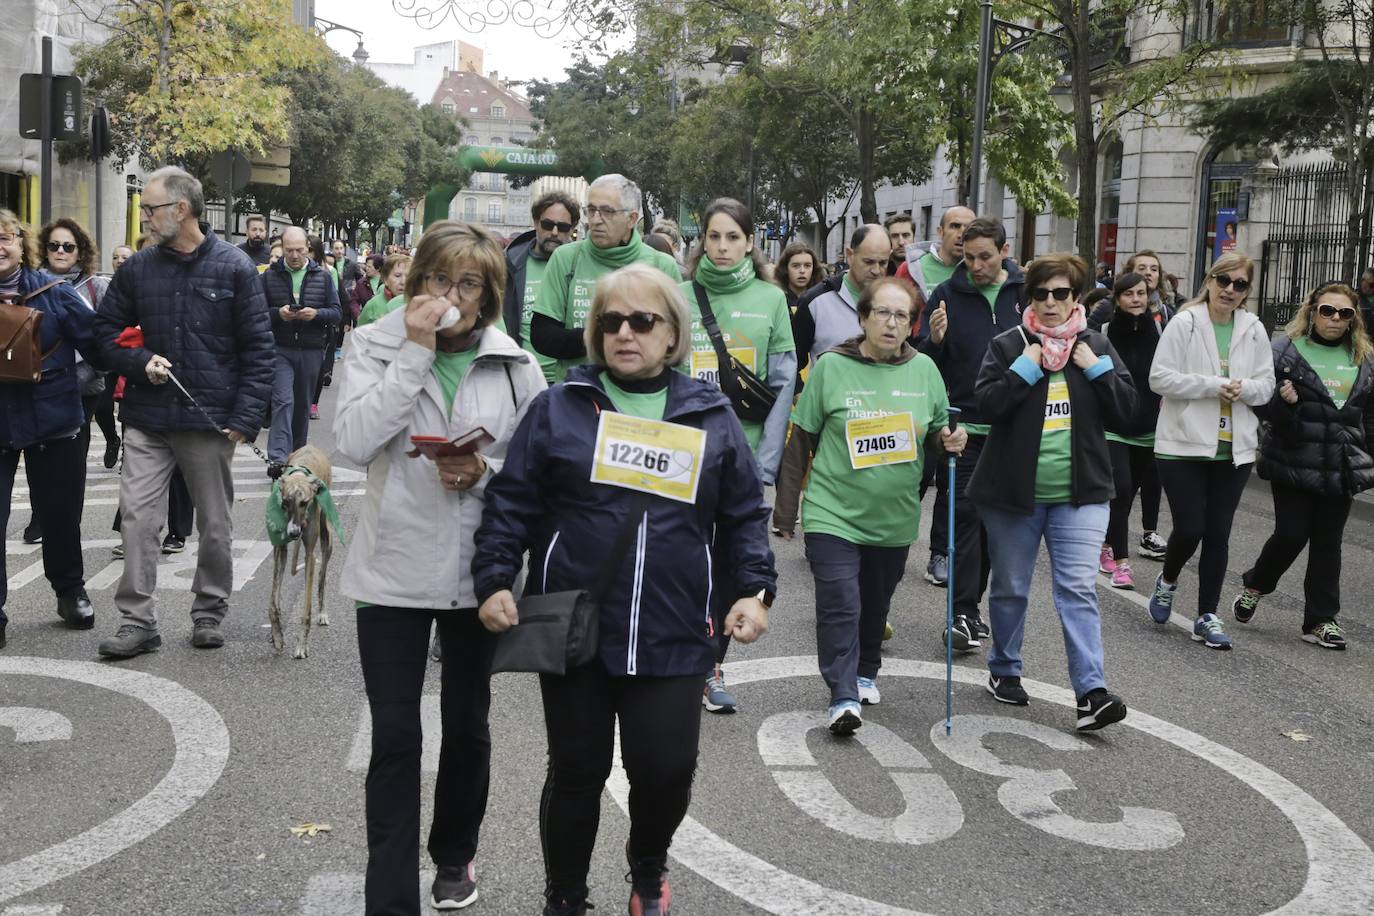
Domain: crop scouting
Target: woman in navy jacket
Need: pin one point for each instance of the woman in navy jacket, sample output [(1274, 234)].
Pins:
[(43, 421), (563, 500)]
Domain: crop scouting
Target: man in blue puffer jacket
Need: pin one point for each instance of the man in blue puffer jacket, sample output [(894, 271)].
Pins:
[(203, 317)]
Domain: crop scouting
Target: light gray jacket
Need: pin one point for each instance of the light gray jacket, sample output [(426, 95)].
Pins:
[(414, 543)]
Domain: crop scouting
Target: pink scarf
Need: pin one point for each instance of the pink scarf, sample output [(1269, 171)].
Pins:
[(1056, 344)]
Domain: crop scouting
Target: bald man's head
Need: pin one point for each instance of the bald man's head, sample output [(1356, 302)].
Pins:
[(867, 254), (295, 247), (952, 226)]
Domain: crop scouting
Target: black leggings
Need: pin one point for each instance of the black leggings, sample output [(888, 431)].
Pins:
[(1203, 498), (660, 721), (1133, 466), (1303, 519)]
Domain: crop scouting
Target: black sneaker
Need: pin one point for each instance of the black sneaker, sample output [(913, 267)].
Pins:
[(112, 453), (33, 532), (1099, 708), (1008, 690), (964, 637), (206, 634), (981, 629), (2, 635), (130, 640), (567, 907), (1243, 608), (173, 544), (455, 886), (75, 609)]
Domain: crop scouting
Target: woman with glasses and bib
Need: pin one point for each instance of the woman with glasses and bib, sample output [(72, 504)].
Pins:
[(1050, 388), (1316, 455), (873, 412), (1213, 367), (627, 449)]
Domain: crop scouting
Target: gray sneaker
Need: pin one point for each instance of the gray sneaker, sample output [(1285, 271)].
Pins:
[(937, 571), (206, 634), (130, 640)]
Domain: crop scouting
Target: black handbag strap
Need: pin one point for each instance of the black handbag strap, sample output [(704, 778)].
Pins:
[(708, 319), (638, 504)]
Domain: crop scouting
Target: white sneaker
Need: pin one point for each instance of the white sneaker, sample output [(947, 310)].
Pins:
[(868, 692), (845, 718)]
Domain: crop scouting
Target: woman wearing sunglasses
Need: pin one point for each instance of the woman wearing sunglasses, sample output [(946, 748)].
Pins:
[(626, 437), (1050, 388), (1316, 455), (1213, 367)]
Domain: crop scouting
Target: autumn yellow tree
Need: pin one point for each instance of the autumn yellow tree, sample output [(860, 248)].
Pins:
[(184, 79)]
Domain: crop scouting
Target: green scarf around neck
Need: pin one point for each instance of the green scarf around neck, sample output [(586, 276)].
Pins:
[(276, 512), (619, 256), (722, 280)]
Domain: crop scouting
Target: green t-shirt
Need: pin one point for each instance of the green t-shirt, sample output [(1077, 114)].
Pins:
[(534, 276), (878, 503), (990, 293), (1332, 365), (753, 321), (645, 405), (934, 270), (379, 306), (1054, 466), (297, 278), (449, 369), (571, 274), (1145, 441), (1222, 332)]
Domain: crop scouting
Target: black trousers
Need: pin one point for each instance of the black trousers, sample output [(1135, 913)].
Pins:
[(327, 367), (971, 561), (1303, 519), (1133, 467), (660, 722), (393, 646), (180, 509), (1203, 497), (54, 469)]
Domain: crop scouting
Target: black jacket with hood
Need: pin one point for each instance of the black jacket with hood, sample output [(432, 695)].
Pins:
[(1135, 338), (517, 254)]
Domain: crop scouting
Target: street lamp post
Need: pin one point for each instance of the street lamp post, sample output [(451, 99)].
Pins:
[(323, 27)]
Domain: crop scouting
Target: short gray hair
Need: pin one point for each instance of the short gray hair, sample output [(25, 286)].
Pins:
[(180, 185), (629, 191), (637, 285)]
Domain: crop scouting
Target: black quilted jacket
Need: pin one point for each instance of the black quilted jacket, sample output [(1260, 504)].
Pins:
[(203, 311), (1312, 445)]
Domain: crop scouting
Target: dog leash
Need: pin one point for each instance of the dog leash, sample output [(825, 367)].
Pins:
[(196, 404)]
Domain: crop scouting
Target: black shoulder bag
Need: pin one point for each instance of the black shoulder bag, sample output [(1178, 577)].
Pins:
[(749, 395), (561, 630)]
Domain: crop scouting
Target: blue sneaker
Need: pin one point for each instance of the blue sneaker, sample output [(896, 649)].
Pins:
[(715, 697), (845, 718), (868, 692), (1162, 601), (1207, 630)]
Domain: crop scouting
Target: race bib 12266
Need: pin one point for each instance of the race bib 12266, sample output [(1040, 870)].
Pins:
[(650, 456)]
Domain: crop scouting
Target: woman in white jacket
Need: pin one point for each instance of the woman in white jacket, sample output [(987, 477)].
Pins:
[(413, 374), (1213, 365)]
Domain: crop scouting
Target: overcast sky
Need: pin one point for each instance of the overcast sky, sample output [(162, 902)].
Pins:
[(515, 51)]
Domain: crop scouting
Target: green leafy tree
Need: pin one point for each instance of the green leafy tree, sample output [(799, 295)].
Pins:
[(184, 80)]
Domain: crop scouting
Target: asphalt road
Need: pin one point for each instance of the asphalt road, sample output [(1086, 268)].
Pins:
[(1239, 783)]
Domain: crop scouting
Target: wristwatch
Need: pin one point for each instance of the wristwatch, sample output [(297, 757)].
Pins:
[(766, 597)]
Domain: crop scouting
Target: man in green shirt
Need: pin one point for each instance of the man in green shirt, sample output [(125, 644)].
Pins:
[(555, 215), (613, 241), (928, 264)]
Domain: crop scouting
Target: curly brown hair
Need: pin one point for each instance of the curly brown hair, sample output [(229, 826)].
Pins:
[(86, 254)]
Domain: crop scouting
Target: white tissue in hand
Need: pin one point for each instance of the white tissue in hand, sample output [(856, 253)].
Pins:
[(451, 317)]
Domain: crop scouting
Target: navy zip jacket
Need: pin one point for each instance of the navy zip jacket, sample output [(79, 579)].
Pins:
[(656, 616), (206, 314), (972, 326), (50, 407), (317, 292)]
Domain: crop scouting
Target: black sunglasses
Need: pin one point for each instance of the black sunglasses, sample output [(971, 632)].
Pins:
[(1223, 281), (1345, 313), (549, 225), (1041, 293), (640, 322), (68, 247)]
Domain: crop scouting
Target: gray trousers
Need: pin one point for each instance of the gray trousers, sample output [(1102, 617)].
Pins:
[(206, 461), (293, 389)]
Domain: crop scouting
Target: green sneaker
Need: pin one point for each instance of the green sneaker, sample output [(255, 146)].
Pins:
[(1327, 635)]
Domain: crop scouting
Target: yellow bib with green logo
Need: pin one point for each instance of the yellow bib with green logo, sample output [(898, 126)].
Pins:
[(650, 456), (875, 441)]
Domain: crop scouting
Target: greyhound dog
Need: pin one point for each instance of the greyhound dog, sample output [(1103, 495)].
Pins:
[(307, 472)]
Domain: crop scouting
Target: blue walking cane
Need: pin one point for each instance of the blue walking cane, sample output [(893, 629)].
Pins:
[(949, 587)]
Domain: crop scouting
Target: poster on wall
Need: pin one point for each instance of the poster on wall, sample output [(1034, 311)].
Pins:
[(1225, 232)]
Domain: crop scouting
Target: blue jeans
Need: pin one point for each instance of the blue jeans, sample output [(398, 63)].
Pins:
[(293, 387), (1073, 535)]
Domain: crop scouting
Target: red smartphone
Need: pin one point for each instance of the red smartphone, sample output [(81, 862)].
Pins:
[(438, 447)]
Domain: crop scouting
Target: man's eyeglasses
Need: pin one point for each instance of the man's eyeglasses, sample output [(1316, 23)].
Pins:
[(68, 247), (1042, 293), (887, 316), (1223, 281), (640, 322), (603, 212), (438, 286), (549, 225), (1344, 313), (150, 209)]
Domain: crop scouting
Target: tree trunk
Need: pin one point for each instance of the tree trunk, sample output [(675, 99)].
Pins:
[(822, 227), (1084, 130), (164, 50), (868, 138)]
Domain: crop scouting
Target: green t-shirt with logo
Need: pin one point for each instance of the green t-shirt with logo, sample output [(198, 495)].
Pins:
[(565, 294), (1054, 466), (1333, 366), (870, 420), (534, 276), (449, 369), (753, 320), (934, 270), (645, 405)]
